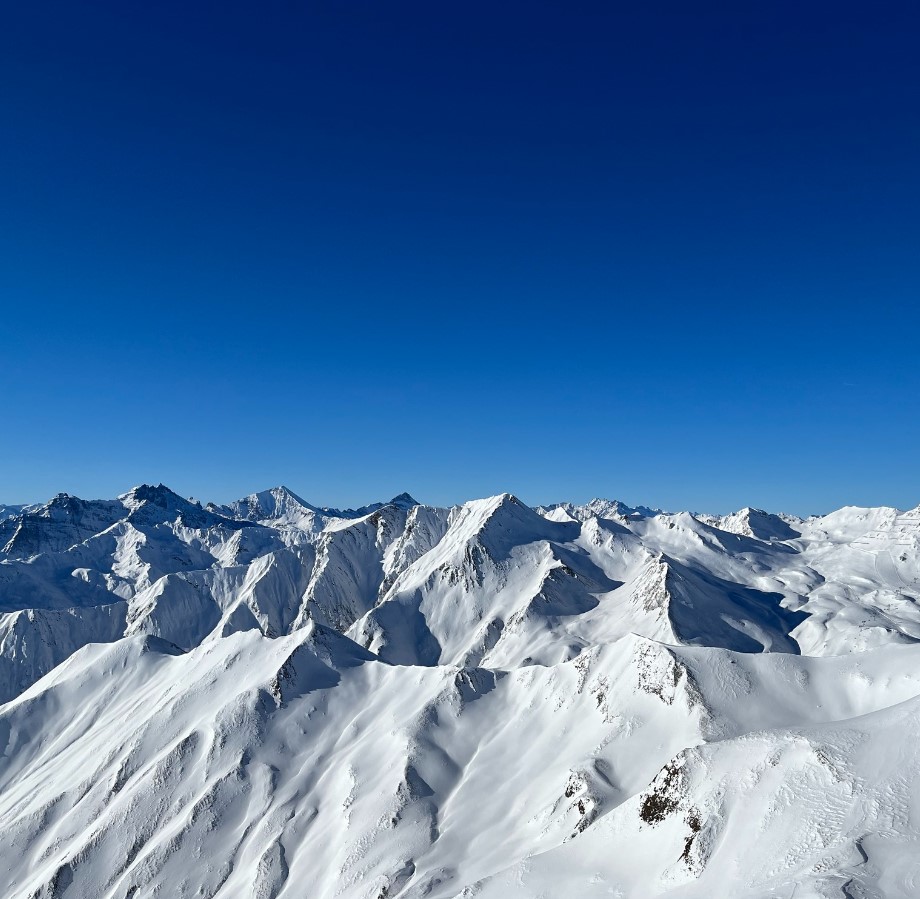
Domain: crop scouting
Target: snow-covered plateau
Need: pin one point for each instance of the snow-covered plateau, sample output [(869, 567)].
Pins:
[(273, 700)]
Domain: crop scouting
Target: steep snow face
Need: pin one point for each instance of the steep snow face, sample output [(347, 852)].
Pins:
[(273, 699), (350, 567), (499, 573)]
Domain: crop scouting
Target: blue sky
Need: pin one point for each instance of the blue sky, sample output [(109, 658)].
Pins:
[(658, 252)]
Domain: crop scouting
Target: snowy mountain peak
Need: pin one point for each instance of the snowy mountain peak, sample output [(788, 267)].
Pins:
[(503, 517), (403, 501), (57, 525), (758, 524), (284, 494), (147, 494), (598, 508), (276, 504), (150, 505)]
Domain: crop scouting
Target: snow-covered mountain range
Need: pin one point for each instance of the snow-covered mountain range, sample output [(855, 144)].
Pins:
[(272, 699)]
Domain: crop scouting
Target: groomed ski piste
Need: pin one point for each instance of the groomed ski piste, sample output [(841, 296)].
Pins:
[(274, 700)]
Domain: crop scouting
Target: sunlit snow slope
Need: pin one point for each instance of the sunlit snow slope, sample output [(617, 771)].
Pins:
[(273, 699)]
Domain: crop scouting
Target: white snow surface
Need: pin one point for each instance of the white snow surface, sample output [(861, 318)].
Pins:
[(273, 699)]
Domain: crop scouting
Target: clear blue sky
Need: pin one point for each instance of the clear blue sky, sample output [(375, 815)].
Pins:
[(663, 252)]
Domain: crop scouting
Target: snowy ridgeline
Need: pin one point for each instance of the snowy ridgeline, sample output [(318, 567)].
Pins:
[(270, 699)]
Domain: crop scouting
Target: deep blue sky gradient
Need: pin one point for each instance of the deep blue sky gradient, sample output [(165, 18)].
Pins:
[(668, 253)]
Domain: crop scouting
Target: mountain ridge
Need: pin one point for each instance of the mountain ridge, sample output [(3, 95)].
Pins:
[(486, 700)]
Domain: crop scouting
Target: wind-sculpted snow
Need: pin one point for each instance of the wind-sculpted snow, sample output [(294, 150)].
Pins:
[(273, 699)]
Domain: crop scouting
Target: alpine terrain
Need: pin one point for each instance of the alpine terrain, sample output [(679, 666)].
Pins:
[(274, 700)]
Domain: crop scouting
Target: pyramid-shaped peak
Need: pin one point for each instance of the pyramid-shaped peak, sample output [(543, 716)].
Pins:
[(750, 522), (275, 504), (404, 501), (504, 518), (286, 493), (159, 495), (282, 498)]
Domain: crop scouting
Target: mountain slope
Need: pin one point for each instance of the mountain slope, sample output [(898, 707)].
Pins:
[(269, 698)]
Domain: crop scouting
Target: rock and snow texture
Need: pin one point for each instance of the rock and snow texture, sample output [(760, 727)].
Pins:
[(274, 699)]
